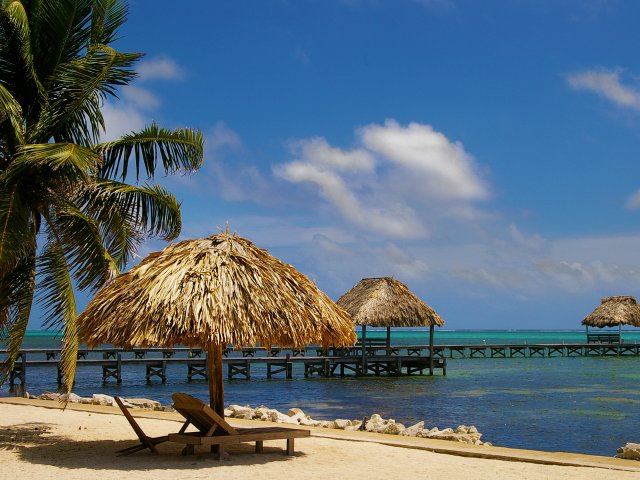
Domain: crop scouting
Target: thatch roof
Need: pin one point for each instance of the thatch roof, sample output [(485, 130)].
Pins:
[(218, 290), (386, 302), (612, 311)]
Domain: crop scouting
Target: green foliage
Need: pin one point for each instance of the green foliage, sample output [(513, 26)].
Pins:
[(60, 185)]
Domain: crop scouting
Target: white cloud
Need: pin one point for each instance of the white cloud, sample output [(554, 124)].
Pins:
[(443, 167), (162, 67), (317, 150), (140, 97), (607, 84), (395, 182), (395, 220), (120, 120), (130, 113)]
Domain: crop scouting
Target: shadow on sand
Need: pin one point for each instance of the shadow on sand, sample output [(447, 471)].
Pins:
[(34, 444)]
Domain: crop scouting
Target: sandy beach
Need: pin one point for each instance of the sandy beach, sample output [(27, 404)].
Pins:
[(40, 440)]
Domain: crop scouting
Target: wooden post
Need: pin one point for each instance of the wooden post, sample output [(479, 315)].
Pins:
[(620, 333), (119, 369), (216, 384), (363, 341), (289, 367), (431, 329)]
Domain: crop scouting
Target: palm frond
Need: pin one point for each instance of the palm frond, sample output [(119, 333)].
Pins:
[(14, 13), (18, 289), (61, 29), (108, 16), (10, 110), (55, 286), (69, 353), (16, 227), (180, 149), (76, 89), (66, 162), (57, 296), (79, 236), (129, 213)]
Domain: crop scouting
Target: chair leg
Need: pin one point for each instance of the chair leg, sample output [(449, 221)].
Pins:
[(188, 450), (290, 446), (216, 450), (130, 450)]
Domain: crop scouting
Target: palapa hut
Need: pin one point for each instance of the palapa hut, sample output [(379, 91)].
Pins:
[(614, 311), (213, 292), (387, 302)]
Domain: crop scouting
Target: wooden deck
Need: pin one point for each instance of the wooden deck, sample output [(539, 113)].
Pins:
[(240, 364), (312, 361)]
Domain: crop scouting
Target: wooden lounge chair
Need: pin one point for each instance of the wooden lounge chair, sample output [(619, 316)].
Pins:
[(145, 441), (214, 431)]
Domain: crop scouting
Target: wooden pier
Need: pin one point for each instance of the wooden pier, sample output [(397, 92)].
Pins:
[(534, 350), (379, 359), (313, 361)]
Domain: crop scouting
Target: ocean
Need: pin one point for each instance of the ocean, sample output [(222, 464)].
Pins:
[(571, 404)]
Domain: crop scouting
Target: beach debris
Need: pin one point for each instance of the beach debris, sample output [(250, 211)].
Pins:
[(631, 451)]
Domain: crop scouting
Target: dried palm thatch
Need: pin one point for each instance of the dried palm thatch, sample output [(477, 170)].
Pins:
[(386, 302), (213, 292), (612, 311)]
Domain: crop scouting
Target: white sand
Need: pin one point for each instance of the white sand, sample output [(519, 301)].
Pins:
[(45, 443)]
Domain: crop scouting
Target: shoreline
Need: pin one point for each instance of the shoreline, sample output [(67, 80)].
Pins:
[(18, 413)]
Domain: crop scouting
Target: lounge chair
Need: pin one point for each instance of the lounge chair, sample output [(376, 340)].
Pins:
[(214, 431), (145, 441)]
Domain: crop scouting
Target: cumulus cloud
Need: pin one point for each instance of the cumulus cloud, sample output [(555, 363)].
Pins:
[(121, 120), (444, 168), (317, 150), (608, 85), (394, 220), (132, 111), (140, 97), (393, 179), (159, 68)]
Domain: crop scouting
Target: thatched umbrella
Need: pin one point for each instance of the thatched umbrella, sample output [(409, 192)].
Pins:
[(213, 292), (387, 302), (612, 311)]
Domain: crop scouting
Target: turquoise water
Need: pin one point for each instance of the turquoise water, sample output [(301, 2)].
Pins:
[(572, 404)]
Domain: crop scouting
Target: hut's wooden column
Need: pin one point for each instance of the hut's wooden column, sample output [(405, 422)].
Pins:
[(431, 328), (216, 385), (363, 340)]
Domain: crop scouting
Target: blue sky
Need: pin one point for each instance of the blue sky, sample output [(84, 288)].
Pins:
[(485, 153)]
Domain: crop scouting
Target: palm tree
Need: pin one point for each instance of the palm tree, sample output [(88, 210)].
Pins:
[(68, 219)]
